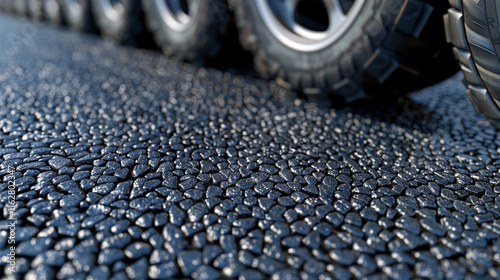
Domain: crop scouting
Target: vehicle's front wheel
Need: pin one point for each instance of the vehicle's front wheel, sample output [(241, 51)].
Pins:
[(353, 48), (473, 27), (188, 29), (78, 15), (120, 20)]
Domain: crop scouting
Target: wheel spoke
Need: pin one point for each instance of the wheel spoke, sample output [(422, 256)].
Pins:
[(176, 8), (189, 4), (335, 13), (284, 10), (175, 5), (311, 24), (192, 6), (291, 6)]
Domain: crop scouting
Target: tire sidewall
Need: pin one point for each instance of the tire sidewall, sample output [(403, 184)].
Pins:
[(55, 17), (492, 9), (35, 9), (21, 7), (202, 25), (74, 19), (115, 29)]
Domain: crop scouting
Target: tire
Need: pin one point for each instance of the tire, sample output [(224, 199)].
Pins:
[(21, 7), (52, 11), (381, 47), (195, 38), (35, 9), (78, 15), (122, 22), (473, 28)]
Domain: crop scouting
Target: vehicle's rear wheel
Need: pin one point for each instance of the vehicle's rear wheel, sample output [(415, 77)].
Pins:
[(120, 20), (21, 7), (35, 10), (352, 48), (188, 29), (78, 15), (52, 11), (473, 28)]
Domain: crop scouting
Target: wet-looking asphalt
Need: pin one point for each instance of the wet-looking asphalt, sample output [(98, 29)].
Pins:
[(129, 164)]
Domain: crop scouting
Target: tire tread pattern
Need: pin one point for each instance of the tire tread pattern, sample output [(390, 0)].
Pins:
[(473, 45)]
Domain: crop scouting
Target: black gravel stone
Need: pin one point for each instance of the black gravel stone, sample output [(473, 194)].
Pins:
[(136, 270), (137, 250), (189, 261), (206, 272), (109, 256), (165, 270)]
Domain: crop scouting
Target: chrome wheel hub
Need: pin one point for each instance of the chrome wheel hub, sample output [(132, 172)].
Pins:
[(308, 25)]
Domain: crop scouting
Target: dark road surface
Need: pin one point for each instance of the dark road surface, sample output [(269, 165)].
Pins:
[(129, 164)]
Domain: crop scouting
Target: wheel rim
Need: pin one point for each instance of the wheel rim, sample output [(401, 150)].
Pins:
[(308, 25), (177, 14), (113, 9)]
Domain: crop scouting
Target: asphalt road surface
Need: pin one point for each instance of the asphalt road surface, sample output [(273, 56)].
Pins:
[(129, 164)]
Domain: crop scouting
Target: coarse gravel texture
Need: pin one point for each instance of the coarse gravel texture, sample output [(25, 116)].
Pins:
[(130, 164)]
